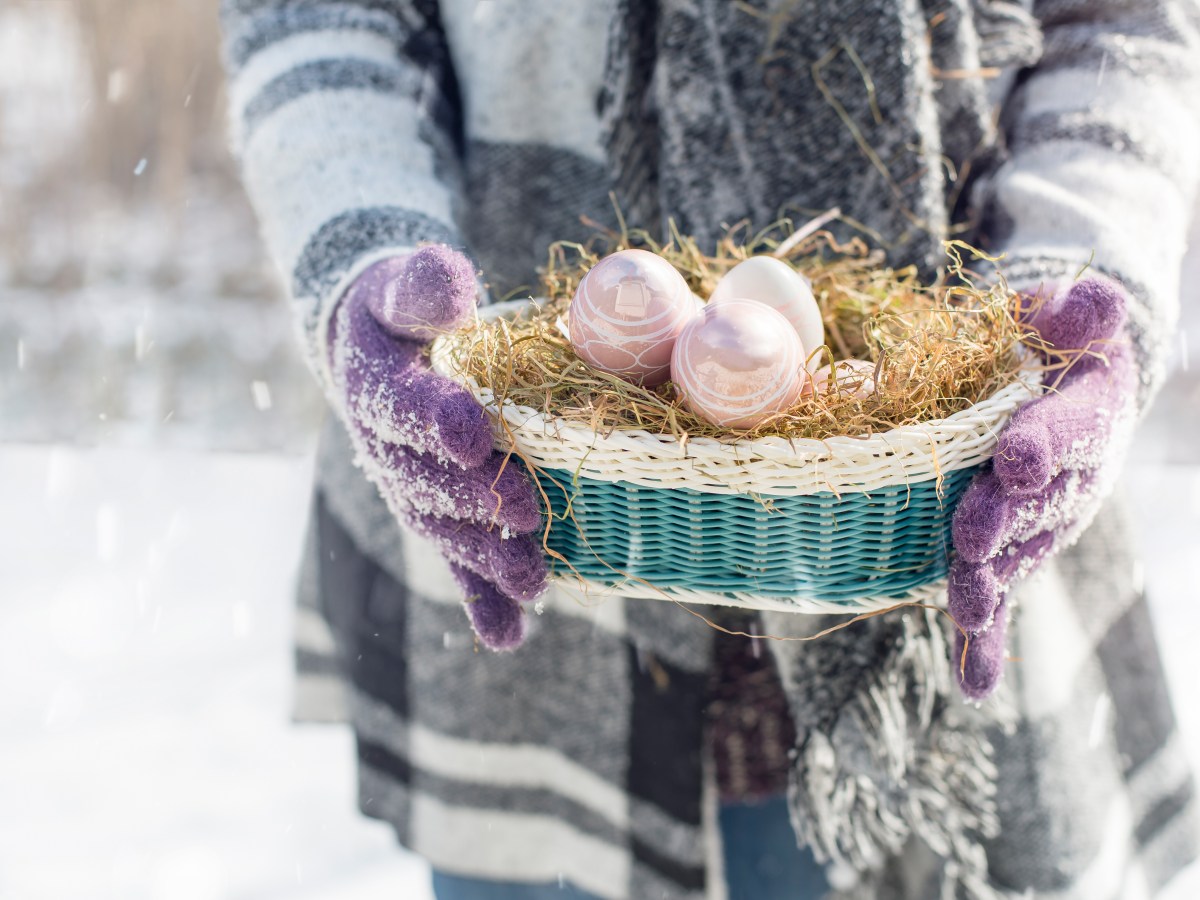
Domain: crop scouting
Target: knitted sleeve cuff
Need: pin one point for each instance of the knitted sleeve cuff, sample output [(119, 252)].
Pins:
[(1102, 135)]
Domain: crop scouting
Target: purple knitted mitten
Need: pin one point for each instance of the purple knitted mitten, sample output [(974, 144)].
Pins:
[(1053, 466), (424, 441)]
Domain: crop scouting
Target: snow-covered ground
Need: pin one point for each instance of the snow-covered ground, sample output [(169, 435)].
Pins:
[(146, 752), (144, 624)]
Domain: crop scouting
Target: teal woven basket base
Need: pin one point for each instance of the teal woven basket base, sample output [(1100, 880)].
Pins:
[(816, 546)]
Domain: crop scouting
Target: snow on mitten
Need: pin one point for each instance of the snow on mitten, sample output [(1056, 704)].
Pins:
[(1054, 465), (424, 441)]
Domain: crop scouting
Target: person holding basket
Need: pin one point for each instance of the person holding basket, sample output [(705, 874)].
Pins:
[(406, 157)]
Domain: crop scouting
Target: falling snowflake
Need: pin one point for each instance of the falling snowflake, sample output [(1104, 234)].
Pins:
[(262, 395)]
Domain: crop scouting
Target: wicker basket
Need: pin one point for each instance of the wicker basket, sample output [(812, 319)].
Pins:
[(846, 524)]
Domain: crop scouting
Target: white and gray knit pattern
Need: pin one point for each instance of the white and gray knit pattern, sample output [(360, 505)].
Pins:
[(347, 145), (366, 126), (1104, 143)]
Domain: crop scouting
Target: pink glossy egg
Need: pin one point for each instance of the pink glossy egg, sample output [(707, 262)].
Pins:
[(739, 363), (626, 314), (775, 283), (854, 376)]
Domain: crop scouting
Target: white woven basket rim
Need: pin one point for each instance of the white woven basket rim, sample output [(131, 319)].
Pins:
[(932, 593), (765, 465)]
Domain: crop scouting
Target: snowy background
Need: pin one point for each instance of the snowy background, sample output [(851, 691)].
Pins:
[(156, 429)]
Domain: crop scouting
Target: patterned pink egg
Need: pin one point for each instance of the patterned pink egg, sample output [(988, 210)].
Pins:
[(739, 363), (626, 314), (773, 282)]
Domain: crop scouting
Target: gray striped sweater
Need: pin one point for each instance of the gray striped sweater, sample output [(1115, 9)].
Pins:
[(1056, 136)]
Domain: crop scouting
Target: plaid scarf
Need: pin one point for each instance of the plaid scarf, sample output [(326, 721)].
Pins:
[(708, 129)]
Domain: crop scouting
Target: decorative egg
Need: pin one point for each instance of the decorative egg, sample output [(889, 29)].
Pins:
[(773, 282), (854, 376), (626, 314), (738, 363)]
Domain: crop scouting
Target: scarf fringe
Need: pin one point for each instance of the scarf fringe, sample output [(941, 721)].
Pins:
[(1009, 35), (903, 759)]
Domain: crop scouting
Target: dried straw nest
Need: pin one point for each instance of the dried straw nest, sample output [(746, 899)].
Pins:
[(937, 348)]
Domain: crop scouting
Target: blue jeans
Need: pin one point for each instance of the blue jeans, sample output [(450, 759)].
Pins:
[(762, 862)]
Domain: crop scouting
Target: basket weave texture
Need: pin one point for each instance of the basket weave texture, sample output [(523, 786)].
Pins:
[(846, 524)]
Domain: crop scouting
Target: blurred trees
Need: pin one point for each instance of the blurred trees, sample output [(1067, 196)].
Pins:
[(156, 93), (141, 80), (136, 302)]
